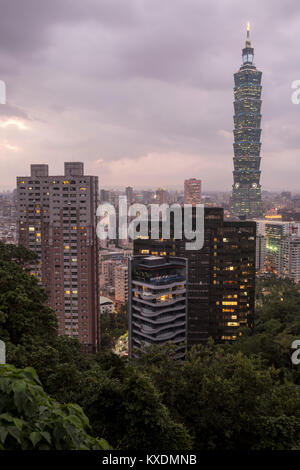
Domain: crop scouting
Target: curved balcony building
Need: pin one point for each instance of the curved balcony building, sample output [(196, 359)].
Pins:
[(157, 302)]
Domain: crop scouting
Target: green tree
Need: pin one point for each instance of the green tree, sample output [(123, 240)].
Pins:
[(30, 419), (226, 400), (113, 325), (24, 317), (276, 325), (124, 405)]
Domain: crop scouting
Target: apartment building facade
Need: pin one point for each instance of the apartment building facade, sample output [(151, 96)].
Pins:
[(57, 220)]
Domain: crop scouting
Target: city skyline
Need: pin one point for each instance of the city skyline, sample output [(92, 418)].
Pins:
[(149, 229), (130, 89)]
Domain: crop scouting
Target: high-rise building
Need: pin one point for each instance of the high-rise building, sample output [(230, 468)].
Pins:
[(121, 284), (221, 276), (161, 196), (147, 197), (246, 191), (109, 196), (192, 191), (107, 272), (157, 302), (270, 234), (57, 220), (287, 195), (129, 195), (289, 258), (260, 254), (105, 195), (275, 232)]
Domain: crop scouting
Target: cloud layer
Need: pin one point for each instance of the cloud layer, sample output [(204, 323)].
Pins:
[(141, 90)]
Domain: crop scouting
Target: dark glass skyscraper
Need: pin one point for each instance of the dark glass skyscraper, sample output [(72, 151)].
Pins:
[(246, 191), (220, 277)]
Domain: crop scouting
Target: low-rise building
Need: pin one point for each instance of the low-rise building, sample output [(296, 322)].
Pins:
[(106, 305)]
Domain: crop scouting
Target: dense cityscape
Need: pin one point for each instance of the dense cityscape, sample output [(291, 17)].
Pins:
[(277, 249), (140, 343)]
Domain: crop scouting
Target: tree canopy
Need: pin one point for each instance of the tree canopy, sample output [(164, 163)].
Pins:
[(243, 395)]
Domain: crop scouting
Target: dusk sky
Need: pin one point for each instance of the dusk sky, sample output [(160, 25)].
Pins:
[(141, 91)]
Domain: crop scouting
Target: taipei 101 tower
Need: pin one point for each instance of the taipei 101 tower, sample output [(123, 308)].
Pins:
[(246, 190)]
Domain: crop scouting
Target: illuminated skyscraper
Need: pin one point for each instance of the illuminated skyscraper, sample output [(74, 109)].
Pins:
[(246, 192)]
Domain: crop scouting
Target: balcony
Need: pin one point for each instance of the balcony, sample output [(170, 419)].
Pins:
[(164, 319), (159, 302), (158, 330), (146, 295), (164, 280), (175, 336), (146, 312)]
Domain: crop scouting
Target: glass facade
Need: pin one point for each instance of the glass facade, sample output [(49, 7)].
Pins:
[(246, 190), (220, 277)]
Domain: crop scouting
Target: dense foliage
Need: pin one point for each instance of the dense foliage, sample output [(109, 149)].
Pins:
[(227, 400), (240, 396), (113, 325), (30, 419), (276, 325)]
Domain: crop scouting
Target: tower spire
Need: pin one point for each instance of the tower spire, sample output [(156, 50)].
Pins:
[(248, 41)]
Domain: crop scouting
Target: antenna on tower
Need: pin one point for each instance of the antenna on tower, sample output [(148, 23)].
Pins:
[(248, 42)]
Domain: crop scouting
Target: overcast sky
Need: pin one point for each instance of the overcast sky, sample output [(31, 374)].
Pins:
[(142, 90)]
